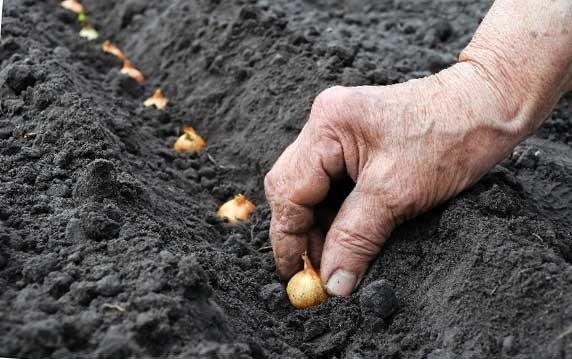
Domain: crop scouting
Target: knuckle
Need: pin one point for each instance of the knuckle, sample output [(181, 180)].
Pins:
[(274, 183), (337, 106), (331, 93), (328, 99), (277, 179), (269, 184)]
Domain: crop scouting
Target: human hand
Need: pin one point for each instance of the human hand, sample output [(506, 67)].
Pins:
[(411, 146), (407, 148)]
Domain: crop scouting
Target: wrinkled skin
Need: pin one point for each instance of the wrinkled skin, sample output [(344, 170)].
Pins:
[(409, 147)]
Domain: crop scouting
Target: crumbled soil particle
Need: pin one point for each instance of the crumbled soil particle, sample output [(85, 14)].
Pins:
[(109, 246)]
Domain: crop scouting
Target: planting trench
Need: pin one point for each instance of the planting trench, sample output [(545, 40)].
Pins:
[(109, 242)]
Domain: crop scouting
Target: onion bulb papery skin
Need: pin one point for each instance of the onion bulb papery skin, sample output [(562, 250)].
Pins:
[(113, 50), (129, 70), (73, 5), (189, 141), (237, 209), (158, 100), (305, 288)]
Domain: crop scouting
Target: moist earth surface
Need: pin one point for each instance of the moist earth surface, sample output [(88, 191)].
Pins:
[(109, 242)]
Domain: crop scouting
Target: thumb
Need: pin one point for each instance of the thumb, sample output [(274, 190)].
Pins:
[(354, 239)]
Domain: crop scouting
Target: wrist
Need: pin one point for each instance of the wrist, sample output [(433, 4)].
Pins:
[(524, 57), (524, 96), (489, 122)]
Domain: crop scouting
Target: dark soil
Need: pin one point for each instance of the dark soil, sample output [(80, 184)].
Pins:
[(109, 246)]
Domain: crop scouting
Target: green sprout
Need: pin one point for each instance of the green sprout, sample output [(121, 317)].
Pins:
[(82, 18)]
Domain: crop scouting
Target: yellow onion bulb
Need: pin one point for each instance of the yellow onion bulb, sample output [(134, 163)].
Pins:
[(305, 288), (89, 32), (158, 100), (189, 141), (129, 70), (237, 209), (113, 50), (73, 5)]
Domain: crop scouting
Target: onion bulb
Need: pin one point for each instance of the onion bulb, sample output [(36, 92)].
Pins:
[(129, 70), (88, 32), (73, 5), (112, 49), (305, 288), (237, 209), (189, 141), (158, 100)]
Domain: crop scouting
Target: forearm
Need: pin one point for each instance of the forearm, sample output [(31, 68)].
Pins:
[(523, 50)]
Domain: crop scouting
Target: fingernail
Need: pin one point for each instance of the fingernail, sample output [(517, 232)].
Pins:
[(341, 283)]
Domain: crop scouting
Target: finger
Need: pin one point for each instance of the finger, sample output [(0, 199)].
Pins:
[(354, 239), (299, 180), (288, 249), (288, 255)]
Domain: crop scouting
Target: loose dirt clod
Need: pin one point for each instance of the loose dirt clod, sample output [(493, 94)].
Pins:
[(378, 299), (274, 296), (113, 306)]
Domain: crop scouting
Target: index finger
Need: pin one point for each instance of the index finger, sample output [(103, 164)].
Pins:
[(299, 180)]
